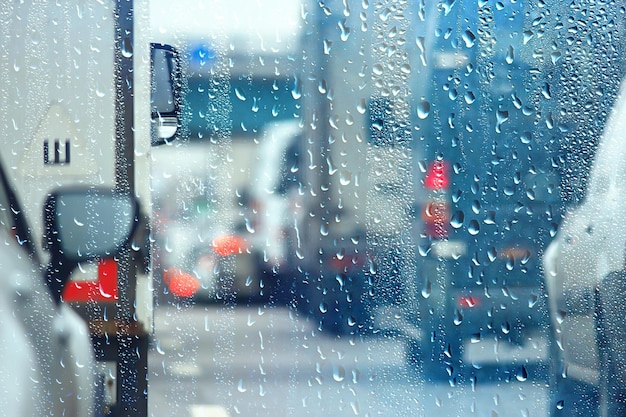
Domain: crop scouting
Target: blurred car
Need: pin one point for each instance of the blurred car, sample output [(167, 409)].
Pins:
[(200, 250), (272, 205), (489, 203), (480, 274), (251, 260), (586, 282), (48, 360), (201, 259)]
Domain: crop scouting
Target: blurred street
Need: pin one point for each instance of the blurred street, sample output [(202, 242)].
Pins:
[(209, 360)]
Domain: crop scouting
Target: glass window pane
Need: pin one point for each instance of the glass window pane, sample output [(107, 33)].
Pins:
[(371, 195)]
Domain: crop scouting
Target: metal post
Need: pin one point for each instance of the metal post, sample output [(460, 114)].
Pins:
[(132, 344)]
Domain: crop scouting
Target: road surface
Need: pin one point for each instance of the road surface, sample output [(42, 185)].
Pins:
[(216, 361)]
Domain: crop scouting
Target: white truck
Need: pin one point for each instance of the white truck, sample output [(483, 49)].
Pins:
[(85, 95), (357, 163)]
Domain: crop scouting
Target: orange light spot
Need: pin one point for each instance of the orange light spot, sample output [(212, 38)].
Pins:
[(180, 283), (228, 245)]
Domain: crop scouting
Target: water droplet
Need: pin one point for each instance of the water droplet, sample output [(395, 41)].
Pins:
[(554, 227), (469, 38), (510, 55), (457, 219), (528, 35), (447, 6), (458, 317), (249, 226), (341, 280), (241, 387), (457, 194), (501, 117), (159, 348), (339, 373), (240, 94), (344, 178), (506, 327), (372, 265), (427, 289), (327, 46), (361, 107), (423, 109), (345, 30), (492, 254), (331, 167), (423, 249), (420, 41), (127, 48), (473, 228), (522, 374), (545, 91), (476, 206), (275, 110), (296, 92)]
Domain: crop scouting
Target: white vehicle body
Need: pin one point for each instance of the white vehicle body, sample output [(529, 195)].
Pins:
[(76, 110), (275, 209), (48, 361), (358, 163), (589, 246), (60, 92)]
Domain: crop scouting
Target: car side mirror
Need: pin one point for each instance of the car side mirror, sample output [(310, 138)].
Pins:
[(85, 224), (166, 92)]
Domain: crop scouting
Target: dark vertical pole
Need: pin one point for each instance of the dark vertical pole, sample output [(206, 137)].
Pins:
[(132, 348)]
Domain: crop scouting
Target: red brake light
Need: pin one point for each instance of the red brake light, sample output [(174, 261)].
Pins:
[(468, 301), (229, 245), (436, 212), (437, 176), (181, 283)]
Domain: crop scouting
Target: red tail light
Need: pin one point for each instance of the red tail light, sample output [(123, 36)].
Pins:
[(437, 176), (229, 245), (181, 283), (468, 301), (436, 213)]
